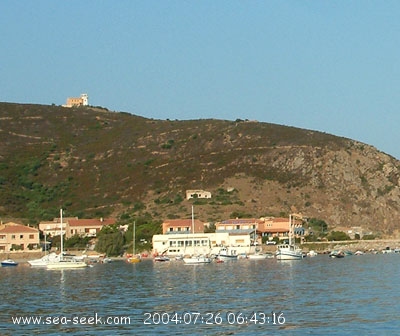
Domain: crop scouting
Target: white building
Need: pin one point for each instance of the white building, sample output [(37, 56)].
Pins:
[(197, 194), (203, 243), (83, 100)]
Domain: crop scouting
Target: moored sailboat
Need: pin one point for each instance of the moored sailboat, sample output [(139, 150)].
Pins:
[(63, 262), (199, 259), (134, 258)]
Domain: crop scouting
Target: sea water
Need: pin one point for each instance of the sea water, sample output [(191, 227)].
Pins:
[(315, 296)]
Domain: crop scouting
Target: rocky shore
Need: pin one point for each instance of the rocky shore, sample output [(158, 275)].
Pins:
[(352, 245)]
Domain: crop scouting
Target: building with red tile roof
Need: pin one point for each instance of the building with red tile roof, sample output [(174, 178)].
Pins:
[(182, 226), (87, 227), (18, 237)]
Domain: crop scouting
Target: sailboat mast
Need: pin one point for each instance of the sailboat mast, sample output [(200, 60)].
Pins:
[(193, 249), (134, 237), (290, 229), (192, 220), (61, 232), (45, 243)]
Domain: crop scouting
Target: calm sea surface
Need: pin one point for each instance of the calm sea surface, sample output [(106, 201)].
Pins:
[(318, 296)]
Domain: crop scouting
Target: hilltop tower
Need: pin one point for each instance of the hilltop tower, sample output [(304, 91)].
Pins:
[(85, 99)]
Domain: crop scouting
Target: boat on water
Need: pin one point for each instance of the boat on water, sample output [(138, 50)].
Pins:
[(46, 259), (64, 262), (289, 251), (337, 254), (259, 256), (312, 253), (8, 262), (196, 259), (161, 258), (134, 258), (227, 254)]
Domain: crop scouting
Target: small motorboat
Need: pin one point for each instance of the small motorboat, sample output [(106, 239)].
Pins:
[(8, 262), (337, 254)]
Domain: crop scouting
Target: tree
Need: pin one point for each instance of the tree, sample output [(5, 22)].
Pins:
[(338, 235), (318, 225), (210, 229), (76, 241), (110, 241)]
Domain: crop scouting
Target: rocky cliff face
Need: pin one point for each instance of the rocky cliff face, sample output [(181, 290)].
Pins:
[(351, 186), (95, 162)]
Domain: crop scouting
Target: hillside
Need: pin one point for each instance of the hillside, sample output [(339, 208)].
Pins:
[(94, 162)]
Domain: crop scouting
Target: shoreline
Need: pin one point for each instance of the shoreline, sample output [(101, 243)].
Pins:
[(376, 245)]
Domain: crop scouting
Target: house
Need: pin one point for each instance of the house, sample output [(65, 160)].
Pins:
[(274, 227), (197, 194), (86, 227), (265, 226), (182, 226), (280, 227), (237, 224), (240, 226), (18, 237), (83, 100), (53, 228)]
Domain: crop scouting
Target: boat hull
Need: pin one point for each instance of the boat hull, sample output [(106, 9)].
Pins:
[(288, 256), (196, 260), (133, 259), (289, 252), (257, 256), (66, 265), (337, 256), (9, 263), (227, 257)]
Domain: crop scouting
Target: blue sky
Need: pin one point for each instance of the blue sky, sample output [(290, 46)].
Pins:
[(331, 66)]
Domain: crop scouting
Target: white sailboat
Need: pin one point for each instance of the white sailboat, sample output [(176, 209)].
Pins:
[(134, 258), (289, 251), (64, 263), (199, 259)]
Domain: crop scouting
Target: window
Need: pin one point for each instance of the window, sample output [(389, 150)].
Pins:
[(31, 236), (21, 236), (12, 236)]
